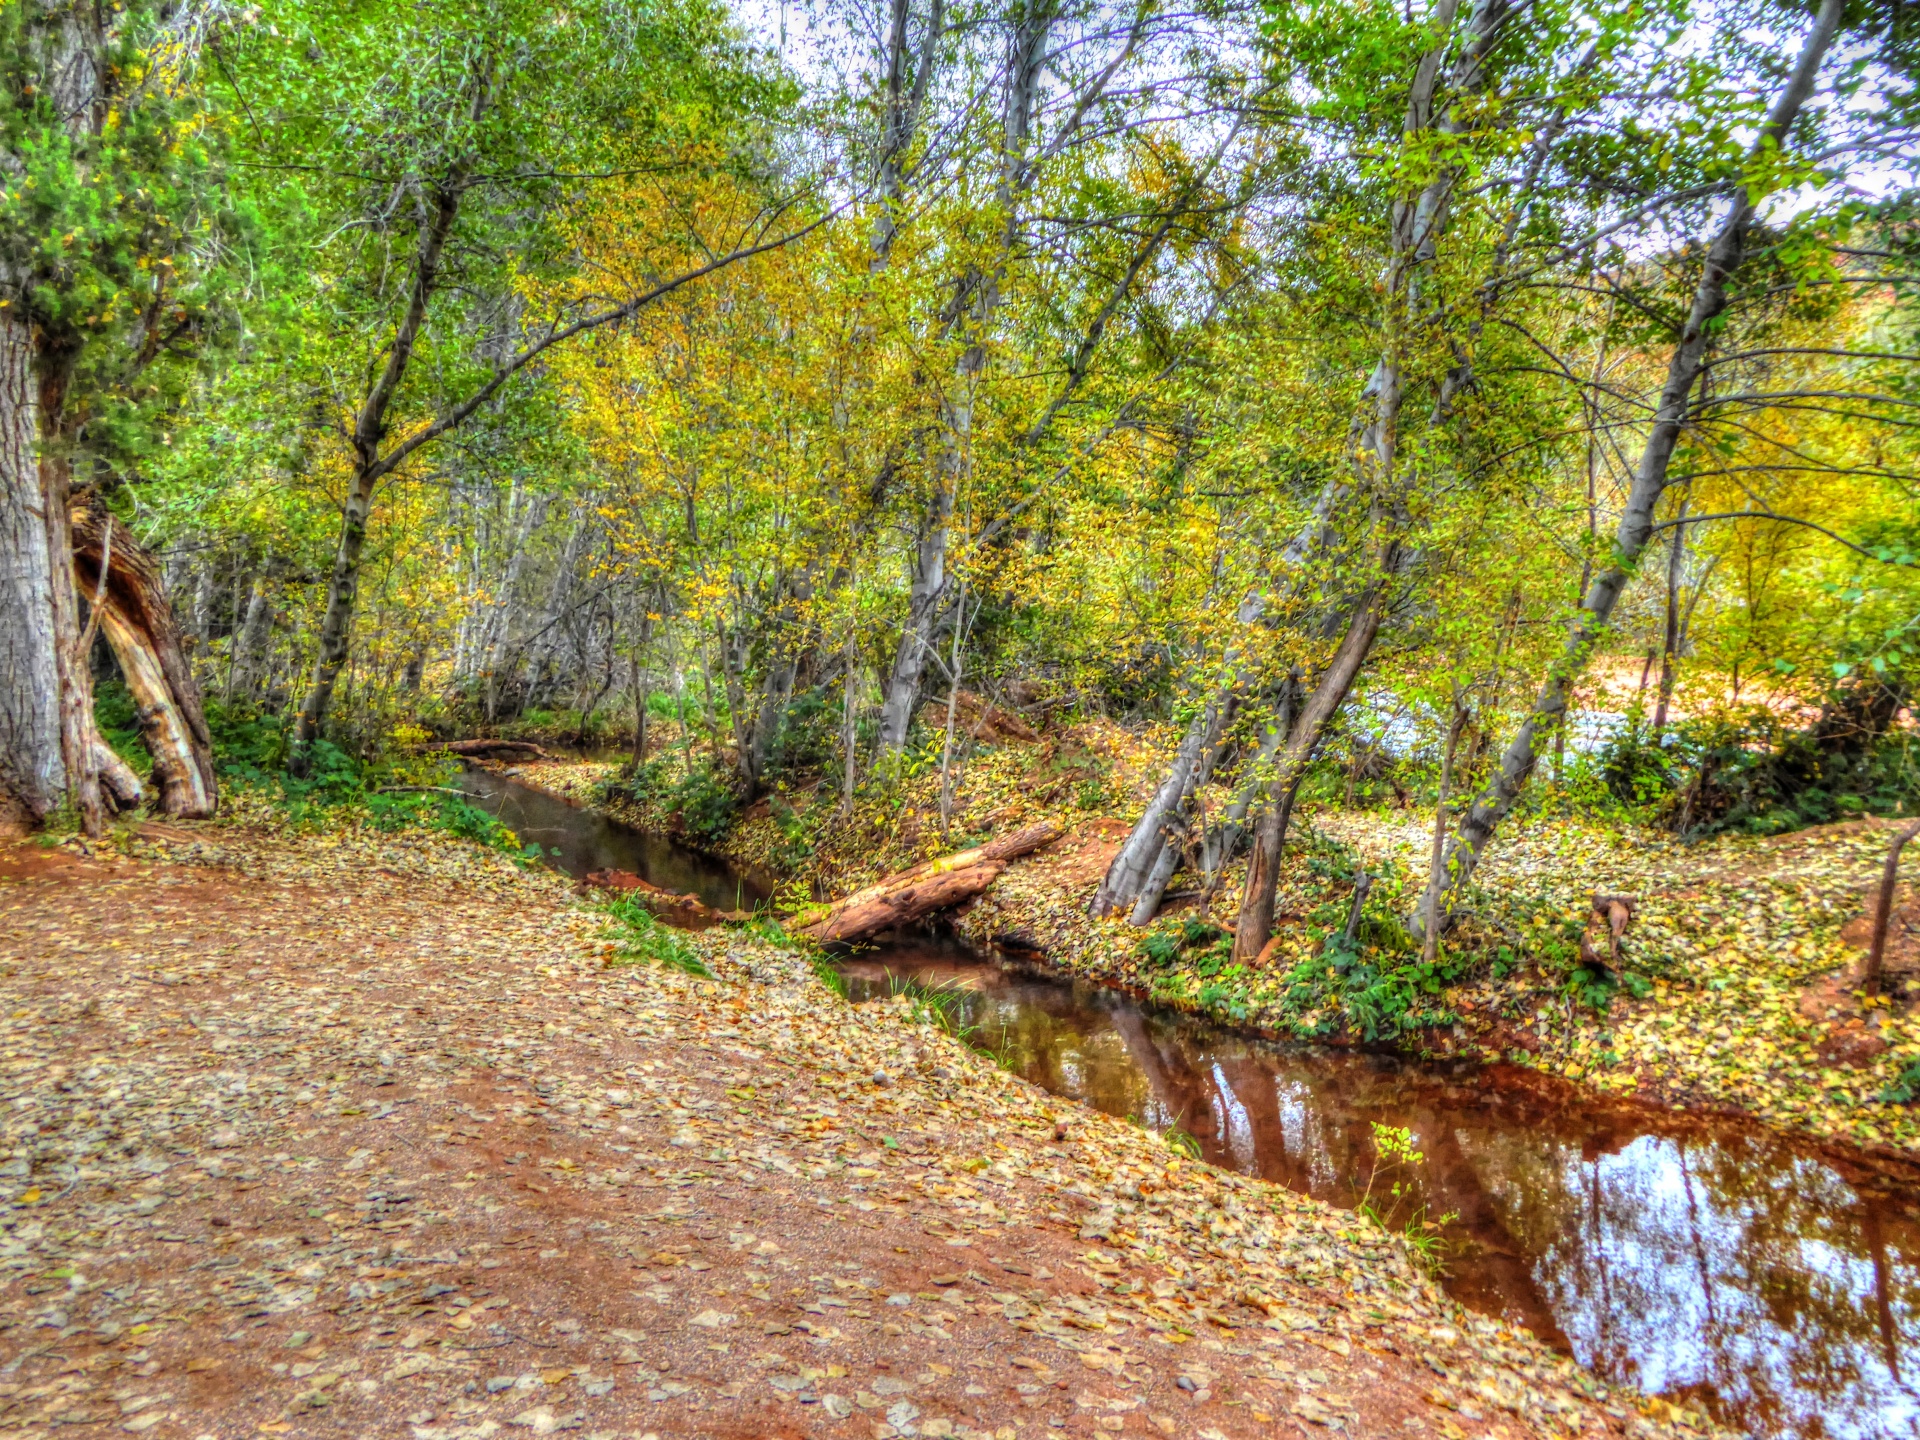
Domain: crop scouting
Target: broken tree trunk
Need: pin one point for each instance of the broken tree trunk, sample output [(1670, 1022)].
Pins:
[(491, 749), (926, 888), (137, 620)]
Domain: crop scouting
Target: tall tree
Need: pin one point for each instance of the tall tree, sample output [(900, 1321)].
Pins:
[(1725, 254), (103, 190), (447, 151)]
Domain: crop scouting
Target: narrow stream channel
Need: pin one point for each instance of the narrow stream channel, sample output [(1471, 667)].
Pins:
[(1771, 1280)]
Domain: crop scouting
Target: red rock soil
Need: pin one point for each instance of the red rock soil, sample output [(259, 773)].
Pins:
[(369, 1138)]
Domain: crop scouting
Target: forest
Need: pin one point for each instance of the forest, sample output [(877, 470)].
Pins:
[(1392, 527), (1363, 398)]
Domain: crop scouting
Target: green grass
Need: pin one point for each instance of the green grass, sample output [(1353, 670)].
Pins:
[(641, 938)]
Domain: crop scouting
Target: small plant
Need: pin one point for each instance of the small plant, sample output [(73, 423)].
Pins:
[(942, 1006), (827, 973), (1181, 1143), (1905, 1089), (769, 931), (1394, 1158), (640, 936)]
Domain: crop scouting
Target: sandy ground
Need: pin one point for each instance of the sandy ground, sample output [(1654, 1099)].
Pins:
[(369, 1139)]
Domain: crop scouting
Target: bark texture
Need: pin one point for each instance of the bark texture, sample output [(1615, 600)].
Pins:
[(924, 889), (138, 623), (32, 773)]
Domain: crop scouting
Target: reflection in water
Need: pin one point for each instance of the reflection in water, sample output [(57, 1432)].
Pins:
[(1726, 1264), (587, 840)]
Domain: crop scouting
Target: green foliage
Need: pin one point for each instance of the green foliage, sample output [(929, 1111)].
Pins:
[(118, 717), (797, 834), (1395, 1159), (641, 937), (701, 798), (1181, 1143), (249, 750), (111, 219), (1169, 939), (1905, 1090)]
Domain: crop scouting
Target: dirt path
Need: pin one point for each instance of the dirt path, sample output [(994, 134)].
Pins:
[(367, 1140)]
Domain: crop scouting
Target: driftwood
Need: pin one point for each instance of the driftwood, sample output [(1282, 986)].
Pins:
[(930, 886), (683, 912), (491, 749), (129, 607), (1614, 912)]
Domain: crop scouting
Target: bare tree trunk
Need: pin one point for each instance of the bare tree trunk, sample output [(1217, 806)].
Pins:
[(1883, 911), (1260, 896), (1255, 925), (32, 771), (926, 587), (369, 431), (639, 687), (138, 623), (849, 725), (1723, 260), (254, 639), (953, 705), (80, 742), (1430, 942), (1670, 639)]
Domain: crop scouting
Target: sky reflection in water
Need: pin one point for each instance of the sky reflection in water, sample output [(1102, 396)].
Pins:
[(1713, 1262)]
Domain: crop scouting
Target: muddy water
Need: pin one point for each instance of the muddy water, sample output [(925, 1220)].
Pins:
[(1714, 1263), (1775, 1282), (580, 840)]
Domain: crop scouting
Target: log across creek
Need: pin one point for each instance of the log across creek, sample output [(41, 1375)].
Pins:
[(924, 889)]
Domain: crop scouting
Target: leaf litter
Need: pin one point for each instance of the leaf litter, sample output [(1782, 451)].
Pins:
[(340, 1134)]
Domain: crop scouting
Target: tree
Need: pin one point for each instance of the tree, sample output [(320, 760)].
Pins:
[(107, 193), (444, 152), (1687, 363)]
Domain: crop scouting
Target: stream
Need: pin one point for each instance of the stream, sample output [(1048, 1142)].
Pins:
[(1773, 1281)]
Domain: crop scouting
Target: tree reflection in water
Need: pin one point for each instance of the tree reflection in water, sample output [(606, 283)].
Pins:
[(1775, 1282)]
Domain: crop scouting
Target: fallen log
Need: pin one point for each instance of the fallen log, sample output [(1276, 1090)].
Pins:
[(491, 749), (683, 912), (926, 888)]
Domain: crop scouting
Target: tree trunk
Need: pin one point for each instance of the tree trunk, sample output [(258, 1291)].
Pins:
[(251, 645), (1223, 840), (640, 689), (1670, 639), (926, 588), (1494, 803), (80, 743), (32, 772), (138, 622), (1883, 911), (1259, 898), (1255, 925), (849, 726), (953, 708), (1436, 862), (369, 431)]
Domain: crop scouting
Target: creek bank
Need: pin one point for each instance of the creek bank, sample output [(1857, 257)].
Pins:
[(1739, 945), (1548, 1195), (416, 1120)]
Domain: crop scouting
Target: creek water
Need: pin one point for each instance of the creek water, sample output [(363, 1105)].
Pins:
[(1773, 1281), (579, 840)]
